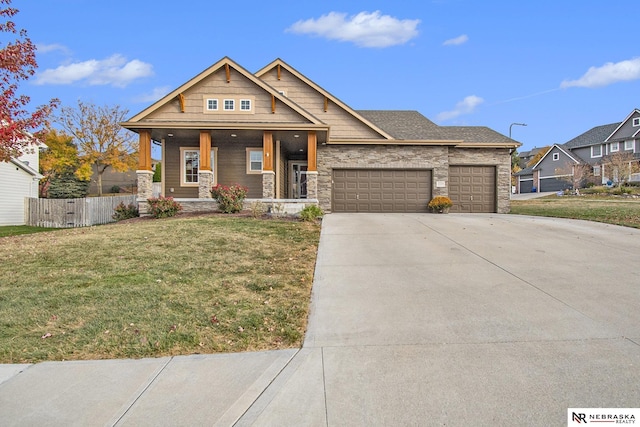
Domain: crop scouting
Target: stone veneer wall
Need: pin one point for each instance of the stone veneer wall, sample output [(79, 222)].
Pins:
[(498, 157), (435, 158)]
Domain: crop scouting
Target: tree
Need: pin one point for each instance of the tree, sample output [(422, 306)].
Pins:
[(535, 159), (18, 127), (620, 165), (576, 175), (102, 142), (60, 158)]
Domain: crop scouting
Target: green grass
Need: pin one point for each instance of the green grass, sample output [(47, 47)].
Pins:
[(607, 209), (148, 288), (16, 230)]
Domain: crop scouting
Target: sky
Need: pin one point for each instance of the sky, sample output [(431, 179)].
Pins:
[(560, 67)]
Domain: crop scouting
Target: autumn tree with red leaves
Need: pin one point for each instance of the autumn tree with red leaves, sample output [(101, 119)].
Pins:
[(18, 127)]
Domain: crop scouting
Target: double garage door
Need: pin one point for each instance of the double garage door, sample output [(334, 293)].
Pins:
[(471, 188)]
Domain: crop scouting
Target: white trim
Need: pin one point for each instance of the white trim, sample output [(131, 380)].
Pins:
[(617, 147), (245, 100), (635, 122), (183, 170), (593, 156), (230, 102), (556, 157), (630, 144), (213, 100), (252, 150)]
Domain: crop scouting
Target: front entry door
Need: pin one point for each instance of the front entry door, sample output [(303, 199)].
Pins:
[(298, 180)]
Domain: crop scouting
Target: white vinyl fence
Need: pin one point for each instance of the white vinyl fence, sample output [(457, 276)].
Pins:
[(69, 213)]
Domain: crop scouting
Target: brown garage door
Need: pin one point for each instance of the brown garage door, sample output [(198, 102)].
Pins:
[(472, 189), (381, 190)]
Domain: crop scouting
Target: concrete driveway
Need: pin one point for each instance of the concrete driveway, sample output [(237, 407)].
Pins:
[(415, 320)]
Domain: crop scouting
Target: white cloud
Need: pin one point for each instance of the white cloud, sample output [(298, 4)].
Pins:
[(607, 74), (46, 48), (114, 71), (364, 29), (155, 95), (456, 41), (465, 106)]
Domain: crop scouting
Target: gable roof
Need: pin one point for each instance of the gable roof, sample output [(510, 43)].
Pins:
[(594, 136), (226, 61), (562, 150), (635, 112), (26, 168), (280, 63)]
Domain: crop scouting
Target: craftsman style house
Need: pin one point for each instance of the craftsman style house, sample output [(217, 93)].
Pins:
[(293, 143)]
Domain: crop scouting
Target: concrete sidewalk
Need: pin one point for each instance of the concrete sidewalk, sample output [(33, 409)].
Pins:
[(415, 320)]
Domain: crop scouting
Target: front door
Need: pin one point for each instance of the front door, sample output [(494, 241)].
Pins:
[(298, 184)]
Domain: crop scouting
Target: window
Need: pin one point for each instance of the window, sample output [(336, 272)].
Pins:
[(254, 160), (212, 104), (556, 156), (190, 166), (245, 105), (596, 171), (596, 151), (615, 146), (636, 121), (229, 104), (629, 145)]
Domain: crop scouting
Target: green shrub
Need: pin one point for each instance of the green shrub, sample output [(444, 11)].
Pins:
[(230, 199), (67, 187), (311, 213), (125, 212), (115, 189), (163, 207), (157, 173), (258, 209)]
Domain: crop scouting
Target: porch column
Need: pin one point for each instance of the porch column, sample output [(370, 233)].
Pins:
[(268, 174), (144, 172), (205, 175), (312, 165)]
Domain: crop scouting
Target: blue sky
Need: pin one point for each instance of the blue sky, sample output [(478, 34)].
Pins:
[(561, 67)]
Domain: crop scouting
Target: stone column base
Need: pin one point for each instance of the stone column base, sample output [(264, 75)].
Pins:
[(205, 182), (312, 185), (268, 184)]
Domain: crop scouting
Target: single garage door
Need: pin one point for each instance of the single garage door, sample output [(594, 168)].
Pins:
[(472, 189), (381, 190)]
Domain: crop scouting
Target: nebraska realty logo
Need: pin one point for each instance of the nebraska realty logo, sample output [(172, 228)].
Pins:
[(579, 416)]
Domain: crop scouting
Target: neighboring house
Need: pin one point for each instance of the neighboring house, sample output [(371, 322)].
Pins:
[(126, 181), (591, 148), (292, 142), (19, 179)]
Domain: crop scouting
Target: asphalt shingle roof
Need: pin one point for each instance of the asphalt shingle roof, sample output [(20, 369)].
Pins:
[(411, 125), (594, 136)]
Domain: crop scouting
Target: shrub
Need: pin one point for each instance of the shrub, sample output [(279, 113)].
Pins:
[(230, 199), (163, 207), (115, 189), (67, 187), (440, 203), (125, 212), (257, 209), (311, 213)]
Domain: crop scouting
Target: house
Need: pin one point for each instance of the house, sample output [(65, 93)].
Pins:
[(592, 149), (293, 143), (19, 179)]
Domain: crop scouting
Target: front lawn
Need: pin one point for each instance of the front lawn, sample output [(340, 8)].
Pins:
[(148, 288), (15, 230), (609, 209)]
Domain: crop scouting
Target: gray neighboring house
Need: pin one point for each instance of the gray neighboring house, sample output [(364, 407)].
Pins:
[(554, 170)]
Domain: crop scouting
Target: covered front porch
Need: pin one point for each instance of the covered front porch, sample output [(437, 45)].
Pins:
[(278, 165)]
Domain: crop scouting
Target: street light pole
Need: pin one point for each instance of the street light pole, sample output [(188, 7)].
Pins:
[(517, 124)]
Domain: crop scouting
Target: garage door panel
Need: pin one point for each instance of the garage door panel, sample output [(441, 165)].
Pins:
[(381, 190), (472, 189)]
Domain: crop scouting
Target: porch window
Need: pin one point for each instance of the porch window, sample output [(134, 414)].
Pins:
[(229, 104), (190, 166), (596, 151), (254, 160), (615, 147)]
